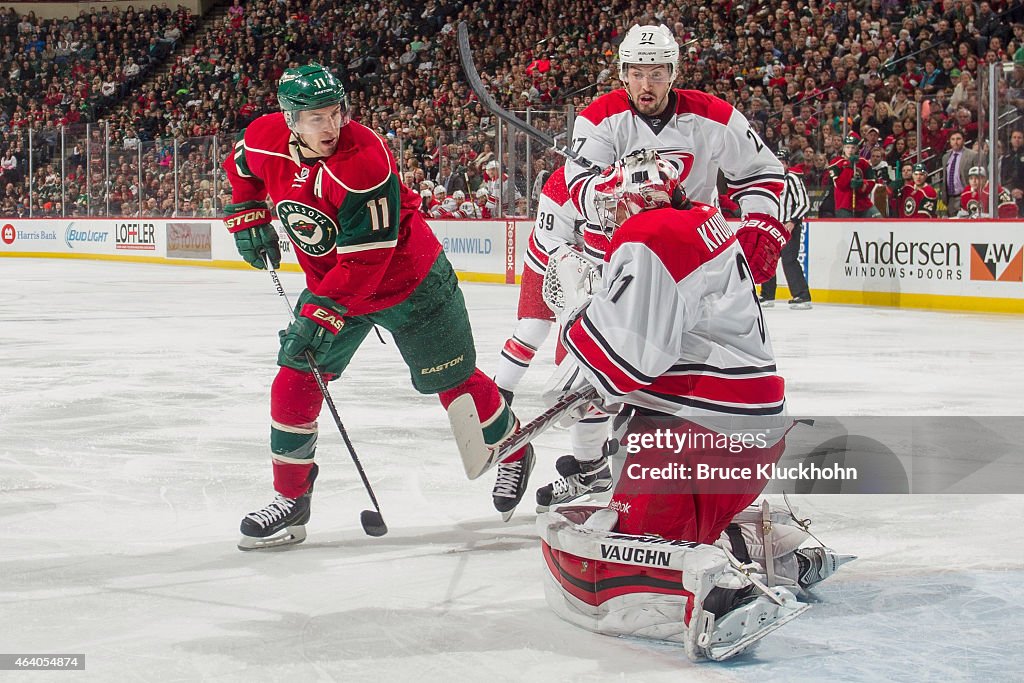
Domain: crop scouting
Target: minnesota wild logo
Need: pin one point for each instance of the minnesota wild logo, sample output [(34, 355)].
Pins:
[(311, 230)]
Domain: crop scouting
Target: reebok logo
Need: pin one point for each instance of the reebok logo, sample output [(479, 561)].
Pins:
[(997, 263), (300, 177), (620, 507)]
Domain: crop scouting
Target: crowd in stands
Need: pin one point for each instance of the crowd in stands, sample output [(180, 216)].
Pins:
[(805, 72)]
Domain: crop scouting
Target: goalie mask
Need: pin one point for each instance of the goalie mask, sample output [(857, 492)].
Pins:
[(309, 88), (640, 181)]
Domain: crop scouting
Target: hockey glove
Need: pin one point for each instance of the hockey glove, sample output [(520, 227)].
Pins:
[(317, 322), (762, 237), (566, 379), (249, 222)]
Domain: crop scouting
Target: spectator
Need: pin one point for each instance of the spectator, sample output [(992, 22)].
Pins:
[(1011, 169)]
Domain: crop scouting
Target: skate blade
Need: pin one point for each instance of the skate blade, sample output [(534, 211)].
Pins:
[(292, 535), (598, 497), (725, 651), (799, 307)]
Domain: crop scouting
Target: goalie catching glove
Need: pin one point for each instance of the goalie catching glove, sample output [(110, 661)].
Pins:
[(255, 237), (762, 237), (318, 321)]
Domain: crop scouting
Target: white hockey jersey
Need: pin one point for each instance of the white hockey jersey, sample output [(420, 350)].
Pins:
[(556, 223), (699, 134), (677, 327)]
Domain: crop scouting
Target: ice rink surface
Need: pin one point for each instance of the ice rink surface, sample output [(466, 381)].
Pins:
[(133, 438)]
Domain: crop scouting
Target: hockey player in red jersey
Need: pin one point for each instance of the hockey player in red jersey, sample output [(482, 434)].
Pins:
[(697, 133), (974, 200), (918, 199), (369, 259), (675, 334), (850, 173)]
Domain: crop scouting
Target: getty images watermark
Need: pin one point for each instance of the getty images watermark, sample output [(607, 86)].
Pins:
[(668, 442)]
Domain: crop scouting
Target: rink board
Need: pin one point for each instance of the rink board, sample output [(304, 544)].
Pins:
[(943, 264)]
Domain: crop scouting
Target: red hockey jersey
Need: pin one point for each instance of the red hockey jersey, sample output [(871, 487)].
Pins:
[(975, 204), (357, 231), (917, 203), (843, 173)]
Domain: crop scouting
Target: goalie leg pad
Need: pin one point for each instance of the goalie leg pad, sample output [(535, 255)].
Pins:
[(649, 587), (817, 563)]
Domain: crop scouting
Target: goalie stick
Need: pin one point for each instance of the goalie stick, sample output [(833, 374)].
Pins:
[(372, 520), (477, 86), (477, 456)]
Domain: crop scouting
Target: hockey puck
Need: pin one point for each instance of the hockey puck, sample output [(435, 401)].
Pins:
[(373, 523)]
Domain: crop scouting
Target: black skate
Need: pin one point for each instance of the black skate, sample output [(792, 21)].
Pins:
[(511, 483), (281, 523), (579, 478), (800, 303)]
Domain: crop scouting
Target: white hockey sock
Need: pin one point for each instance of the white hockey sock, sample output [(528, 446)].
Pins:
[(519, 350), (588, 436)]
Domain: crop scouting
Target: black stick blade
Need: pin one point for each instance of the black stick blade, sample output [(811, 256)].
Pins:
[(373, 523)]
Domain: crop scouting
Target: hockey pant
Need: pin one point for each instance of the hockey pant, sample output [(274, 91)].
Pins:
[(432, 332), (659, 493)]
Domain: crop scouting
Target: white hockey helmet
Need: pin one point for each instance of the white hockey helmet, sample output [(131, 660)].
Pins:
[(648, 45), (440, 190), (482, 193), (640, 181), (459, 196)]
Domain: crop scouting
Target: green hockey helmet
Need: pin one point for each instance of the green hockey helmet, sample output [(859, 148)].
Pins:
[(306, 88)]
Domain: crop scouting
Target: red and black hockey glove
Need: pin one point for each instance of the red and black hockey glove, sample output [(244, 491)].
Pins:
[(762, 237), (249, 222), (317, 322)]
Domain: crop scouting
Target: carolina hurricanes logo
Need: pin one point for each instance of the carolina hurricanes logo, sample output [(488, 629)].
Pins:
[(682, 160), (312, 231)]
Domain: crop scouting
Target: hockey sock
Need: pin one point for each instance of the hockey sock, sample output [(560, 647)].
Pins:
[(295, 402), (519, 350), (588, 436), (496, 418)]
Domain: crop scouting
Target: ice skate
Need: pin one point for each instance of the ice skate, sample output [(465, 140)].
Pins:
[(510, 486), (817, 564), (766, 302), (579, 478), (800, 303), (281, 523)]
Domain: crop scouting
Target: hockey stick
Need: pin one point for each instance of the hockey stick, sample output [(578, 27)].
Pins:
[(477, 456), (373, 522), (477, 86)]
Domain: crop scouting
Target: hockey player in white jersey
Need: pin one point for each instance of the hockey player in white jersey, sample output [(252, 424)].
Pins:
[(675, 334), (697, 133), (557, 226)]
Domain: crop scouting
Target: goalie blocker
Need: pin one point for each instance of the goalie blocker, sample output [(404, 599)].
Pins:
[(646, 586)]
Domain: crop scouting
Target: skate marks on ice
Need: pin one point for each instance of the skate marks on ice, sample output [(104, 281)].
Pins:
[(913, 627)]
